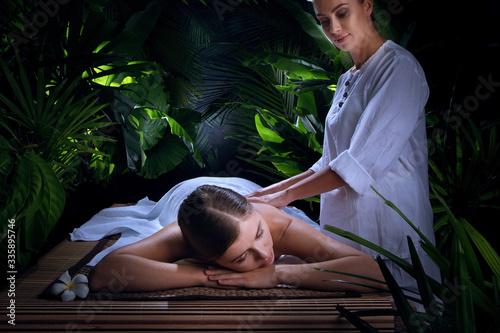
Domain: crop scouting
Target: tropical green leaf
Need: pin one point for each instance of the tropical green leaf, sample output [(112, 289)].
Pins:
[(428, 299), (148, 91), (494, 146), (39, 223), (184, 123), (349, 235), (35, 188), (18, 190), (7, 158), (270, 171), (489, 196), (487, 302), (17, 90), (136, 31), (354, 319), (134, 141), (467, 253), (496, 293), (265, 133), (163, 157), (464, 319), (458, 164), (36, 201), (306, 105), (404, 308), (390, 204), (352, 275), (292, 65), (484, 247), (289, 168), (311, 27), (153, 129), (439, 259)]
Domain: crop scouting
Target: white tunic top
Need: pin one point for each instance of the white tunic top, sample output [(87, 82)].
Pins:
[(375, 136)]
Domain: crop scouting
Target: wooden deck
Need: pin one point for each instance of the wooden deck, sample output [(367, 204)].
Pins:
[(33, 314)]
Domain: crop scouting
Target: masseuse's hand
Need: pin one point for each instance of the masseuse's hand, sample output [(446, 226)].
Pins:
[(264, 277), (276, 199)]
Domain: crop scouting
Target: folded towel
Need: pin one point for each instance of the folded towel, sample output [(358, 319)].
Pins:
[(147, 217)]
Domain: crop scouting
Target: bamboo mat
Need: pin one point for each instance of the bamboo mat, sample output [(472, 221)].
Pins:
[(280, 314)]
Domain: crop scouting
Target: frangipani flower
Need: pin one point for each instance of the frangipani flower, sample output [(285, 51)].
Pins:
[(70, 288)]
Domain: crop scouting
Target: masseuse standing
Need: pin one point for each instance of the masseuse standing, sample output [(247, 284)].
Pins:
[(375, 136)]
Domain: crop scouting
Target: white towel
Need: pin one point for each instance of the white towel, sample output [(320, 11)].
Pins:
[(147, 217)]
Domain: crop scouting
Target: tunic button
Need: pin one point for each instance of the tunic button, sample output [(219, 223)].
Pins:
[(345, 95), (347, 83), (340, 104)]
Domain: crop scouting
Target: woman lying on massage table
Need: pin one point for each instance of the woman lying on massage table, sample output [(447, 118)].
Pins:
[(234, 244)]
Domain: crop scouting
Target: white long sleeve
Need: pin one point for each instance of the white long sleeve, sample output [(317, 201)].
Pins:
[(375, 135)]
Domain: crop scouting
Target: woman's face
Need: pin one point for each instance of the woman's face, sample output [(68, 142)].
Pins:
[(346, 23), (253, 248)]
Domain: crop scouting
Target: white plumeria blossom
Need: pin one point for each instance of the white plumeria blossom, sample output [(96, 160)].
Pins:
[(70, 288)]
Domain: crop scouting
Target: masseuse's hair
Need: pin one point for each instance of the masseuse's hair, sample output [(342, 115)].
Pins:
[(209, 218)]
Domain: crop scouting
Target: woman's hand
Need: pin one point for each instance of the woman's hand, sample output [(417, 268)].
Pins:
[(279, 194), (268, 195), (197, 273), (264, 277), (278, 199), (258, 195)]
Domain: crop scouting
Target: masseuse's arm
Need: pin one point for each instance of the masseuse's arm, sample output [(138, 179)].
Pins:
[(304, 185), (148, 265), (318, 251)]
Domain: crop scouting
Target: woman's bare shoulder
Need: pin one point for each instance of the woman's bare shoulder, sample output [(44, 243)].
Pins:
[(273, 215), (278, 217), (268, 210), (296, 237)]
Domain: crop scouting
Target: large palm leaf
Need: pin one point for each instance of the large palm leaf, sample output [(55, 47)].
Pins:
[(231, 83)]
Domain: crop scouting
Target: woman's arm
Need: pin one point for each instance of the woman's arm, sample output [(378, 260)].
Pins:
[(305, 185), (128, 273), (149, 265), (322, 252), (280, 186), (324, 180)]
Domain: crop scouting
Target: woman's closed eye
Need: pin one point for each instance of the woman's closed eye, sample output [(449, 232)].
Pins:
[(242, 258), (260, 233)]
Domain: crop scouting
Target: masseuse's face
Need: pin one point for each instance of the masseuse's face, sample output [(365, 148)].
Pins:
[(253, 248), (345, 22)]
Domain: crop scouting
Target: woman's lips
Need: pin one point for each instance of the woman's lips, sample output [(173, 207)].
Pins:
[(268, 261), (342, 39)]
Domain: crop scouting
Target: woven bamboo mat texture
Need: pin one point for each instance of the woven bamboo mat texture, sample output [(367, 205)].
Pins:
[(278, 313)]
